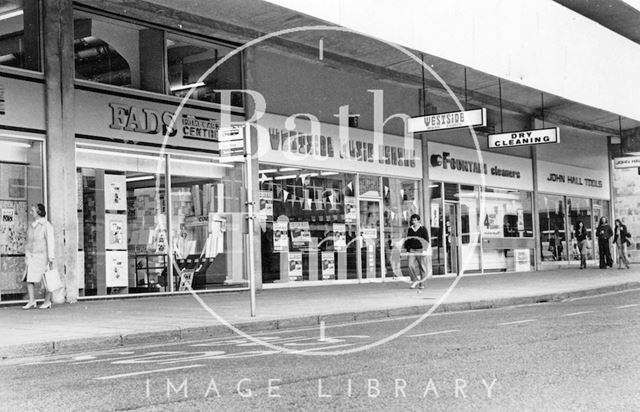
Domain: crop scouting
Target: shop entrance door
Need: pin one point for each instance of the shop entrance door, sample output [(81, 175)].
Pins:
[(452, 237), (371, 254)]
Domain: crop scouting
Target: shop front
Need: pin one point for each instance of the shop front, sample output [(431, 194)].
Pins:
[(22, 172), (568, 195), (481, 211), (157, 211), (333, 207)]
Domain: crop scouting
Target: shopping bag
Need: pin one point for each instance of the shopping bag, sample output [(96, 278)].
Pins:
[(58, 296), (51, 280)]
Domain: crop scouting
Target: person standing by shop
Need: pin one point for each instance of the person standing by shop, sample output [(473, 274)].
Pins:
[(39, 254), (621, 239), (580, 235), (604, 233), (417, 244)]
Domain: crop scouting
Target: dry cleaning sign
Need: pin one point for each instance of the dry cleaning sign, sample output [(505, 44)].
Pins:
[(524, 138)]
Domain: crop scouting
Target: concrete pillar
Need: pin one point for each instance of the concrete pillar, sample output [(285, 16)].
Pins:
[(60, 150)]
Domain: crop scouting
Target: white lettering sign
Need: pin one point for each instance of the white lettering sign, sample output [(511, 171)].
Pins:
[(524, 138), (453, 120), (626, 162)]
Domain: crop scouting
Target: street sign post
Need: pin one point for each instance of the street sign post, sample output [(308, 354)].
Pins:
[(234, 144)]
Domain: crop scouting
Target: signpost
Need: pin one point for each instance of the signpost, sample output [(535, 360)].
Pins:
[(234, 144), (451, 120), (524, 138)]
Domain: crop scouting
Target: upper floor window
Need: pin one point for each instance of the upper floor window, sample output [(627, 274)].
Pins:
[(188, 60), (123, 54), (20, 34)]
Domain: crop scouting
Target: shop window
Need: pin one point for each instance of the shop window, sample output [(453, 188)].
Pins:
[(308, 222), (551, 217), (189, 60), (507, 230), (20, 34), (401, 199), (206, 224), (579, 210), (129, 244), (118, 53), (21, 185)]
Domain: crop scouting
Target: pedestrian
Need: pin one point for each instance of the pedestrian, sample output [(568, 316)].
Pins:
[(621, 240), (580, 234), (39, 254), (417, 245), (604, 233)]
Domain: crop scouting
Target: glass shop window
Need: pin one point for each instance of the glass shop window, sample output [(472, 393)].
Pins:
[(191, 69), (20, 34)]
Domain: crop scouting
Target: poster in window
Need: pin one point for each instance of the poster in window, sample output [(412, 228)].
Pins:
[(339, 236), (115, 231), (522, 260), (300, 234), (13, 182), (266, 206), (280, 236), (7, 215), (350, 212), (520, 214), (491, 226), (115, 192), (116, 269), (295, 266), (328, 266)]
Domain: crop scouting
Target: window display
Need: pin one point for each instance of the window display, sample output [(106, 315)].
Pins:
[(137, 240), (21, 185)]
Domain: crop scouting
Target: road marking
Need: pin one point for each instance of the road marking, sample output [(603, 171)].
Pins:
[(516, 322), (434, 333), (627, 306), (125, 375), (83, 358), (577, 313)]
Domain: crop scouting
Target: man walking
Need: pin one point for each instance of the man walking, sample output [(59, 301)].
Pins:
[(417, 244)]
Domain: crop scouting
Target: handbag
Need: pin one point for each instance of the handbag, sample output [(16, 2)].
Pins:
[(51, 280)]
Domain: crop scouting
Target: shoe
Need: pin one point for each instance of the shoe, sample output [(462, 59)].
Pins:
[(414, 284), (421, 286), (30, 305), (46, 305)]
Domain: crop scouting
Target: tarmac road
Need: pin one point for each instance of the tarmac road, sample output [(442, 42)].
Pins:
[(577, 355)]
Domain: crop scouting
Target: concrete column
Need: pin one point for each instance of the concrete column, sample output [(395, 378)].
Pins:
[(60, 149)]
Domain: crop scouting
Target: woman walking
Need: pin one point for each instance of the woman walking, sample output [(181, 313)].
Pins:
[(39, 254), (581, 237), (621, 239), (604, 233)]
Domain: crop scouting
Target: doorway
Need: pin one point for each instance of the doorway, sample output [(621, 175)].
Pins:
[(371, 253), (451, 237)]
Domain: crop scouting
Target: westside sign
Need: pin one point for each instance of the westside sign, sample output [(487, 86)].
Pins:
[(524, 138), (626, 162), (452, 120)]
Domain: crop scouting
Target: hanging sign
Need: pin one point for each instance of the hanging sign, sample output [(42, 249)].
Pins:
[(626, 162), (524, 138), (451, 120), (231, 144)]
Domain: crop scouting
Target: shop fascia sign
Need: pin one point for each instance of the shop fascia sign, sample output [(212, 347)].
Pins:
[(450, 120), (626, 162), (524, 138)]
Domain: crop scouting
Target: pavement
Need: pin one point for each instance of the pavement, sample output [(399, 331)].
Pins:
[(114, 323)]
